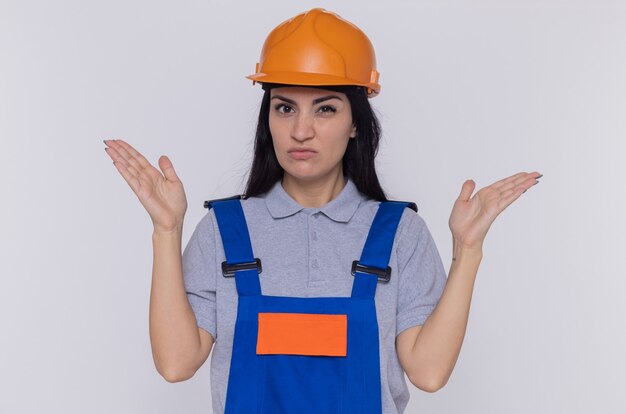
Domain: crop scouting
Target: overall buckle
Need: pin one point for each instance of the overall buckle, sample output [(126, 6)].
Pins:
[(228, 270), (384, 275)]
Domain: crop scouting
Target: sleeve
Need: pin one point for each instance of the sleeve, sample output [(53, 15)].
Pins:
[(199, 274), (422, 277)]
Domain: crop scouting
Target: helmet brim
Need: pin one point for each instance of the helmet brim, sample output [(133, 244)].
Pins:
[(311, 79)]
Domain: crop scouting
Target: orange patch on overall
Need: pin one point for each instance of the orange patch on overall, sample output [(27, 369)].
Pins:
[(302, 334)]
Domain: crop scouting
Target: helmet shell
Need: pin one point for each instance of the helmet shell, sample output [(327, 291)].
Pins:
[(317, 48)]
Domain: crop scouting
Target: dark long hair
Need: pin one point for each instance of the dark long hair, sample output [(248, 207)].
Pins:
[(358, 160)]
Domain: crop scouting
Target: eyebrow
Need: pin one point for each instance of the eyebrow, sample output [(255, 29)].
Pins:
[(316, 101)]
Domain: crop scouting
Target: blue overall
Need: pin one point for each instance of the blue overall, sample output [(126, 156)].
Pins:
[(287, 383)]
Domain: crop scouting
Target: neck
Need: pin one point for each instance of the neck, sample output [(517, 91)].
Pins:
[(314, 193)]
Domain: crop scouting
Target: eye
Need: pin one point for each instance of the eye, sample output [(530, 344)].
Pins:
[(283, 109), (328, 109)]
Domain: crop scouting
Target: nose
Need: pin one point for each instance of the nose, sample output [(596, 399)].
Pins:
[(302, 128)]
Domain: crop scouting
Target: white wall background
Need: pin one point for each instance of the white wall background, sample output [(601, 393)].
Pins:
[(470, 89)]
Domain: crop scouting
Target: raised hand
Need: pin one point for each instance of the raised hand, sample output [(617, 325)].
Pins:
[(471, 217), (162, 195)]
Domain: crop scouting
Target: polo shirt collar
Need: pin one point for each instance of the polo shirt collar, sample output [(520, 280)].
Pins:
[(341, 208)]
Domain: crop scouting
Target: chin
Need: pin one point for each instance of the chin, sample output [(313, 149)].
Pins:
[(308, 176), (303, 177), (301, 172), (307, 172)]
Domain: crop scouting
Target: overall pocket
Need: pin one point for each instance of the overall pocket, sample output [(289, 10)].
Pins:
[(303, 362)]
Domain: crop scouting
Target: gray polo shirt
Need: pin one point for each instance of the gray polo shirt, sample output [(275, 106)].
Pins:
[(308, 252)]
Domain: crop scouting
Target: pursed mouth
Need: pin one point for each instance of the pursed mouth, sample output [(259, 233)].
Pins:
[(301, 154)]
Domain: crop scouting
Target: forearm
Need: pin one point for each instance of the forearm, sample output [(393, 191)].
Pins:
[(438, 344), (174, 333)]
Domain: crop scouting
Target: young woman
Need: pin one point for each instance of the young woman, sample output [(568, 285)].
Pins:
[(316, 292)]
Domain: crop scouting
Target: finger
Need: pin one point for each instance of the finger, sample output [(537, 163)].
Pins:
[(143, 162), (127, 155), (529, 180), (118, 158), (505, 181), (122, 154), (515, 180), (508, 196), (466, 190), (168, 169), (513, 184), (524, 182), (131, 179), (507, 193)]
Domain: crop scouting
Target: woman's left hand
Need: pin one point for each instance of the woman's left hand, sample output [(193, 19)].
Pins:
[(471, 217)]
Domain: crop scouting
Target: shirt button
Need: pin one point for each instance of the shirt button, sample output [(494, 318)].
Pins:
[(314, 235), (314, 264)]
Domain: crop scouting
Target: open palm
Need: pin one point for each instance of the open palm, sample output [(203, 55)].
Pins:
[(161, 194), (471, 217)]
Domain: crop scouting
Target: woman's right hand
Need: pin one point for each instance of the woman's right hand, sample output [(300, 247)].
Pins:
[(162, 195)]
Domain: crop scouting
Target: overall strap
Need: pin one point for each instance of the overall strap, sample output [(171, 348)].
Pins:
[(377, 249), (237, 246)]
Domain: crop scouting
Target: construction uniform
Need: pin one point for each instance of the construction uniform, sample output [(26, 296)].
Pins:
[(348, 363)]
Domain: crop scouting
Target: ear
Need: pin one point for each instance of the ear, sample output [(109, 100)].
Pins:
[(353, 132)]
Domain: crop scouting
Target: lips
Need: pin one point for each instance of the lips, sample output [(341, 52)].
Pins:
[(301, 153)]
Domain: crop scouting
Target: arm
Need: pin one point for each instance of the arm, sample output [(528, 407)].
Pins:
[(429, 352), (179, 347)]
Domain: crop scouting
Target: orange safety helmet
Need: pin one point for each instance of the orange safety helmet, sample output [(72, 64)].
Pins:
[(318, 48)]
